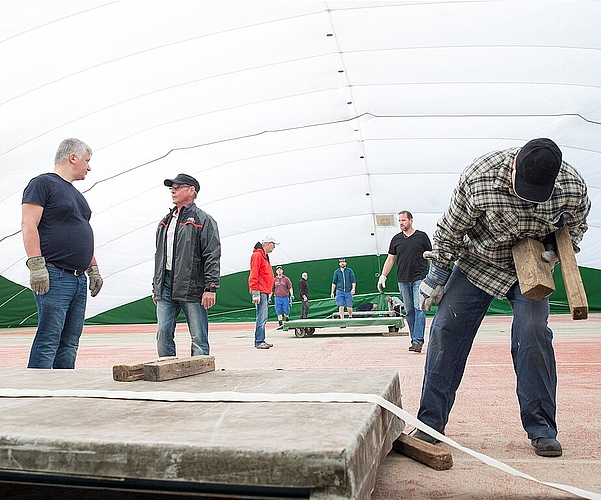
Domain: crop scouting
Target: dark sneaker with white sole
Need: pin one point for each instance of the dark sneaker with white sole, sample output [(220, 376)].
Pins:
[(422, 436)]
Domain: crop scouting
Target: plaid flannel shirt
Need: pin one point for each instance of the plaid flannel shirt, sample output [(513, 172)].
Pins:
[(485, 219)]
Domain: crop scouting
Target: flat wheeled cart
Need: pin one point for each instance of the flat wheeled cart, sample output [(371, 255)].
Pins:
[(307, 327), (368, 314)]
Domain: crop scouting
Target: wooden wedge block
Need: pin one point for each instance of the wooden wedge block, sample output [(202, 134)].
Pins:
[(161, 370), (135, 371), (571, 274), (395, 333), (425, 453), (534, 275)]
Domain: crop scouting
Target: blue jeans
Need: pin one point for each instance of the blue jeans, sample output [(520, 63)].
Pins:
[(196, 317), (61, 314), (261, 319), (452, 333), (415, 317)]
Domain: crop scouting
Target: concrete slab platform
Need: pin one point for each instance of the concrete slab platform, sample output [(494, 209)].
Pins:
[(485, 416), (327, 450)]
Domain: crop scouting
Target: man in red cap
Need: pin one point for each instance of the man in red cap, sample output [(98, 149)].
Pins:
[(500, 199)]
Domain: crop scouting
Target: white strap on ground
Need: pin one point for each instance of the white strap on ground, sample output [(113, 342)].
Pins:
[(240, 397)]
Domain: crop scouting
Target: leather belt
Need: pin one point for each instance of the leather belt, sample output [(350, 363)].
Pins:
[(74, 272)]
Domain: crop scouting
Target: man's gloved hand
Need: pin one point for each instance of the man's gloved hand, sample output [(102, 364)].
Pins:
[(291, 299), (550, 256), (256, 297), (429, 295), (381, 283), (431, 288), (550, 253), (95, 280), (38, 275)]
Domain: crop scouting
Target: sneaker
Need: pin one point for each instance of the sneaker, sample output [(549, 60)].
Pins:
[(547, 447), (263, 345), (286, 318), (280, 322), (415, 347), (422, 436)]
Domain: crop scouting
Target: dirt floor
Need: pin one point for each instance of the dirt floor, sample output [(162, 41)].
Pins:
[(485, 417)]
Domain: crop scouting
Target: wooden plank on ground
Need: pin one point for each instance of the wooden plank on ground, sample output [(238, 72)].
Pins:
[(393, 331), (134, 371), (425, 453), (571, 274), (160, 371), (534, 274)]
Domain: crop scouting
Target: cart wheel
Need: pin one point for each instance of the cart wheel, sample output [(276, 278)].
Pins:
[(309, 331), (392, 329), (299, 332)]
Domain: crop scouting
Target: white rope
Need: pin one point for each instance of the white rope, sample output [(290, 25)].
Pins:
[(240, 397)]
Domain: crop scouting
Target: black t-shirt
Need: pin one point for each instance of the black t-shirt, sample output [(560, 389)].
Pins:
[(411, 265), (366, 306), (66, 237)]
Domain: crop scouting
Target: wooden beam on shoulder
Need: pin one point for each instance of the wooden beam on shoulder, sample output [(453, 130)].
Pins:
[(571, 274), (534, 275)]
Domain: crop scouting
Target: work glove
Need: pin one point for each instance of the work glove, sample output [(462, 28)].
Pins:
[(38, 275), (256, 297), (269, 299), (381, 283), (291, 298), (550, 256), (95, 280), (431, 288), (550, 253)]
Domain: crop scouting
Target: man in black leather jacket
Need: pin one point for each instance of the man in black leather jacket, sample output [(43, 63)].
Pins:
[(187, 268)]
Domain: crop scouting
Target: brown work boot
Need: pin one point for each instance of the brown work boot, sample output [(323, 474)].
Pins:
[(415, 347)]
